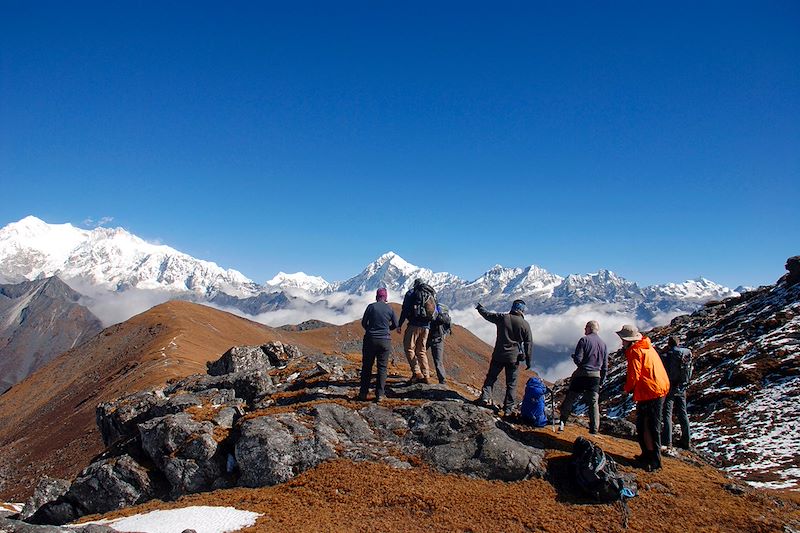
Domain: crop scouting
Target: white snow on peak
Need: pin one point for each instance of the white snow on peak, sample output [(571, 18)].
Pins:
[(109, 258), (695, 290), (299, 280)]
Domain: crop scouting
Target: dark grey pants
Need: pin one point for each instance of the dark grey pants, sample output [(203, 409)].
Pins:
[(678, 400), (373, 350), (589, 388), (495, 367), (437, 351)]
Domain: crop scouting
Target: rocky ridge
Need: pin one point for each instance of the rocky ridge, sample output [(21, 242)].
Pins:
[(262, 415)]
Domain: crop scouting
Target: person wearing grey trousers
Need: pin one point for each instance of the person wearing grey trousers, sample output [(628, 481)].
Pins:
[(591, 356), (440, 327)]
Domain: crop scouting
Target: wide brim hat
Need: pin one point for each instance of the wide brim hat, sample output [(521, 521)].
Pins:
[(629, 333)]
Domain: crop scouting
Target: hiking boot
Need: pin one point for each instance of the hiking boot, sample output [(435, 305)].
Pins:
[(480, 402), (378, 399), (426, 381), (561, 426), (361, 397)]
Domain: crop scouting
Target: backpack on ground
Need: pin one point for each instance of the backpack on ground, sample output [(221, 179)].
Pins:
[(533, 404), (424, 303), (596, 473)]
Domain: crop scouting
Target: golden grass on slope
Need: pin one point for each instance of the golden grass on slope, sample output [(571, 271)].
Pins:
[(343, 496)]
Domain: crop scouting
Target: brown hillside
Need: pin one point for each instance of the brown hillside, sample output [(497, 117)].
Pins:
[(47, 422)]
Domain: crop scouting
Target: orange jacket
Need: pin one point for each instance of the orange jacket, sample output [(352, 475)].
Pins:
[(646, 379)]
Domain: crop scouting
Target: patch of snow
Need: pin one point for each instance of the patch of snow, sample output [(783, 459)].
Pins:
[(203, 519)]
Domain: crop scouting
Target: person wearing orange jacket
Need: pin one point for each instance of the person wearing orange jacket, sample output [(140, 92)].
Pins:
[(647, 380)]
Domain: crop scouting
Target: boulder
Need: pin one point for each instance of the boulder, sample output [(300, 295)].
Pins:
[(464, 439), (118, 419), (47, 490), (253, 358), (618, 427), (184, 450), (16, 526), (247, 385), (112, 484)]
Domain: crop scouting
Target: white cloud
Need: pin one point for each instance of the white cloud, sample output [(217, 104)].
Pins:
[(92, 223), (115, 307)]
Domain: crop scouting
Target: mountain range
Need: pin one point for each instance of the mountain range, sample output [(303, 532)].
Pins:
[(117, 261)]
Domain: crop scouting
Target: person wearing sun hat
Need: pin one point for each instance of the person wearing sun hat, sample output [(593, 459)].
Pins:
[(647, 380), (379, 318)]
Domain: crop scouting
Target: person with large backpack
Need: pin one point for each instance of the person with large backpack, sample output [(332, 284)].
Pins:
[(514, 344), (419, 308), (678, 363), (441, 326), (591, 356)]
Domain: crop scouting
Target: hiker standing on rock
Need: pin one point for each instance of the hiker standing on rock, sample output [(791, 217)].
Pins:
[(379, 318), (440, 328), (648, 381), (514, 343), (591, 356), (419, 308), (678, 364)]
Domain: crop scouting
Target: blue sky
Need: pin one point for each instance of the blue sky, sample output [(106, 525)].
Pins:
[(659, 141)]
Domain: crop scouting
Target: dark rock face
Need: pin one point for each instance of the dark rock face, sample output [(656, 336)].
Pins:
[(793, 268), (48, 489), (232, 429), (39, 320)]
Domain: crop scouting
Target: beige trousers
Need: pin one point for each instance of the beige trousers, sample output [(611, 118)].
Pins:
[(414, 345)]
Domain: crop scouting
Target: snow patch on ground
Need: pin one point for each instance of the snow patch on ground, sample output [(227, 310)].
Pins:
[(203, 519)]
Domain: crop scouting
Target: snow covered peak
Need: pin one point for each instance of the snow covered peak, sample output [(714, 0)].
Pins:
[(694, 290), (299, 280), (111, 258), (394, 260)]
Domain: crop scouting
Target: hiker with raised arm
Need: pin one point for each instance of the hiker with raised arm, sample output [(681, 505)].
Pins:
[(514, 344), (379, 318), (591, 356), (419, 308), (677, 361), (647, 380)]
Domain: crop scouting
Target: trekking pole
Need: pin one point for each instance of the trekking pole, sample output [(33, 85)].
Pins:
[(553, 406)]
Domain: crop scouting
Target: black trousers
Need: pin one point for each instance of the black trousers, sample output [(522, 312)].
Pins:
[(648, 421), (495, 367), (437, 351), (373, 350)]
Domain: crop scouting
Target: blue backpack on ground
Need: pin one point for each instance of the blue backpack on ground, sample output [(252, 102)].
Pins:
[(532, 409)]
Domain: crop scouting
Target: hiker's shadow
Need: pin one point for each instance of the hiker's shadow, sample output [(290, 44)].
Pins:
[(422, 392)]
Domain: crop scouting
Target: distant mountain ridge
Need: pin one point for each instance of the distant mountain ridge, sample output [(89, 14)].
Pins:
[(116, 260)]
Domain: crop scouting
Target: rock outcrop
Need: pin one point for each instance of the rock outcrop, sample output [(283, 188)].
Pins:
[(264, 414)]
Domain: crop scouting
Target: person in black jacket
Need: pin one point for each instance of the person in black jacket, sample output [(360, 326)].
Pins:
[(440, 327), (678, 364), (377, 321), (514, 344)]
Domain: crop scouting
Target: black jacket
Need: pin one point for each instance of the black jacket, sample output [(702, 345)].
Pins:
[(514, 340)]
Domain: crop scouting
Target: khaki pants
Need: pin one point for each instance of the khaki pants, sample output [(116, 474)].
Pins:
[(414, 345)]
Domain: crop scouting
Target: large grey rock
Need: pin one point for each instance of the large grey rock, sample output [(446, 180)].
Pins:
[(247, 385), (253, 358), (118, 419), (112, 484), (273, 449), (15, 526), (184, 450), (464, 439), (47, 490)]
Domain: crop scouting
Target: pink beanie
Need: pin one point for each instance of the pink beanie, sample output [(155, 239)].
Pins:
[(381, 294)]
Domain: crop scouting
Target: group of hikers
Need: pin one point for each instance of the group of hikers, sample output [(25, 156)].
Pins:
[(658, 383)]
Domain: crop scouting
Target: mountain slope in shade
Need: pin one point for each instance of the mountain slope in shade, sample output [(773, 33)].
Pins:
[(38, 321), (743, 399), (47, 422)]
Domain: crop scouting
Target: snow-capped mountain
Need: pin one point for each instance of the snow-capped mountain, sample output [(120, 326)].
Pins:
[(743, 395), (299, 280), (111, 259), (116, 260)]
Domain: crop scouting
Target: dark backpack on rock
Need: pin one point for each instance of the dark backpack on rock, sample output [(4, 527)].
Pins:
[(532, 410), (596, 473), (424, 303)]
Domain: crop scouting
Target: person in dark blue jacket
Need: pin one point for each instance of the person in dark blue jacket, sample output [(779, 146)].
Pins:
[(678, 364), (379, 318), (591, 356)]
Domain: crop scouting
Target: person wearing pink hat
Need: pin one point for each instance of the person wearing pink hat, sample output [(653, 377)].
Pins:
[(378, 320)]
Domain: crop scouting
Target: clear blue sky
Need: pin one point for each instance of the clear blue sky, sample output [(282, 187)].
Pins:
[(659, 141)]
